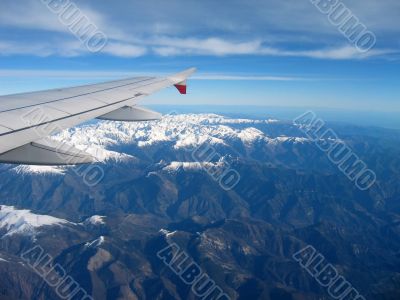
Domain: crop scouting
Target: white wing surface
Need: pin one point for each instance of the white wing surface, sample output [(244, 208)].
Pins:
[(27, 120)]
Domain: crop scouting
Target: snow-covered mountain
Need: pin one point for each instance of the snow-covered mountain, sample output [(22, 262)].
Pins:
[(23, 221), (185, 131), (155, 191), (107, 140)]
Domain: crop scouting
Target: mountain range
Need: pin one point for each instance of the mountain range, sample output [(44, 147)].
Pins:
[(150, 191)]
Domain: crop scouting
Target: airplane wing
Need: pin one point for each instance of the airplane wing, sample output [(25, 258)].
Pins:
[(27, 120)]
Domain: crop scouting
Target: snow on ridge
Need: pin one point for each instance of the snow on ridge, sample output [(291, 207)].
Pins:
[(224, 120), (250, 135), (23, 221), (187, 166), (167, 233), (93, 140), (184, 132), (283, 139), (96, 243), (95, 220), (45, 170)]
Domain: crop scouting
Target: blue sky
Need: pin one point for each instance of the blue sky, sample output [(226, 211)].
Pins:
[(273, 53)]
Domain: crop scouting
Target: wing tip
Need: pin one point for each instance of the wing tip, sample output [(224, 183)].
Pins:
[(180, 80), (182, 88)]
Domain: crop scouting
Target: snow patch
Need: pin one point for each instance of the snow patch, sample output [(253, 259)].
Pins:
[(38, 170), (183, 131), (187, 166), (286, 139), (23, 221), (251, 135), (96, 243), (180, 132), (95, 220), (167, 233)]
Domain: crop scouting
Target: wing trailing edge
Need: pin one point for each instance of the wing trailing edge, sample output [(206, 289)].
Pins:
[(131, 114), (47, 152), (23, 137)]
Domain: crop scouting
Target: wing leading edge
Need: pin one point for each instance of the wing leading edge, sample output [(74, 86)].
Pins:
[(26, 120)]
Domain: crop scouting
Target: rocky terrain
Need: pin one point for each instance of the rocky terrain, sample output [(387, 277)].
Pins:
[(152, 191)]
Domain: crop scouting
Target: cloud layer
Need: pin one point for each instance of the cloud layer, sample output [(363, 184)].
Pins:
[(197, 28)]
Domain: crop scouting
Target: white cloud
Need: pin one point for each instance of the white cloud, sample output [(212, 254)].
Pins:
[(209, 46), (182, 47), (215, 46), (121, 74), (124, 50), (339, 53), (29, 15), (253, 27), (346, 52), (65, 48), (244, 77)]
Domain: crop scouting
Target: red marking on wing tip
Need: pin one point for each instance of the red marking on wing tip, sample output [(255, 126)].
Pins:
[(181, 88)]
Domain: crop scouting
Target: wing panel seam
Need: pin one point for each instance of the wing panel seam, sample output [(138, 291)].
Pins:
[(67, 98), (73, 115)]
